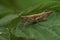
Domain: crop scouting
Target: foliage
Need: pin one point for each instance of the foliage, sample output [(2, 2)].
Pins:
[(10, 23)]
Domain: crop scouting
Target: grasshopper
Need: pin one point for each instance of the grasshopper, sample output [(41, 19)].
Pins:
[(40, 17)]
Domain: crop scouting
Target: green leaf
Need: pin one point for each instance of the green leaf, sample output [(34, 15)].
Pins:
[(11, 24)]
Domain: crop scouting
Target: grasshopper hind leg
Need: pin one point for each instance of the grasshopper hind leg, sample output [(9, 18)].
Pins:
[(24, 26)]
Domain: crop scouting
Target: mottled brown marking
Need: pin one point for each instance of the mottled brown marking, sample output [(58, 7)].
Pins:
[(36, 17)]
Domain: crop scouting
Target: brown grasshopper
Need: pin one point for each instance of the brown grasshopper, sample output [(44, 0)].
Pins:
[(40, 17)]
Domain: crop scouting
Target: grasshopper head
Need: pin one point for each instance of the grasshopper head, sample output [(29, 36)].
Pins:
[(48, 12)]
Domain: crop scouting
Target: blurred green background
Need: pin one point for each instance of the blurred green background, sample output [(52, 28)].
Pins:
[(10, 23)]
